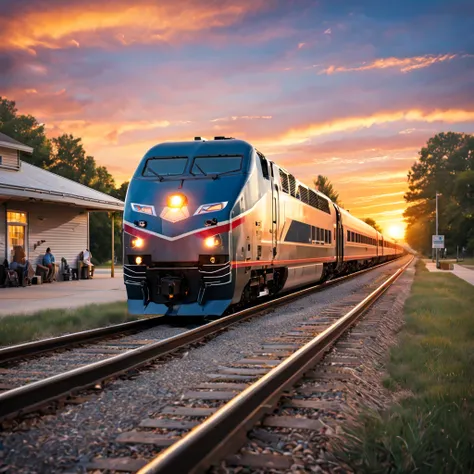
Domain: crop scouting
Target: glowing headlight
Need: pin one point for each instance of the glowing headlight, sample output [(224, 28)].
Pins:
[(176, 201), (205, 208), (212, 242), (138, 260), (144, 209), (137, 243)]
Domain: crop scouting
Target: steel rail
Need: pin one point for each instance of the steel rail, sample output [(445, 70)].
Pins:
[(225, 431), (32, 395), (28, 349)]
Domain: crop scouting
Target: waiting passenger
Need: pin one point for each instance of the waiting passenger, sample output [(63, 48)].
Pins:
[(49, 262), (21, 265), (86, 261)]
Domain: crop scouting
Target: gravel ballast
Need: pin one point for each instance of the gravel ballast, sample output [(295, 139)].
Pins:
[(67, 440)]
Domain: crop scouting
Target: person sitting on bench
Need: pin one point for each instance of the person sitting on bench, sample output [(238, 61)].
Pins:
[(50, 263), (86, 261), (22, 266)]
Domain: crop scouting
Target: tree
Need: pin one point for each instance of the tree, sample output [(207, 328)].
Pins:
[(323, 185), (446, 166), (121, 192), (371, 222), (66, 156), (27, 130)]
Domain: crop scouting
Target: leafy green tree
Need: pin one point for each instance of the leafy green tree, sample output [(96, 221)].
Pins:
[(372, 223), (65, 155), (27, 130), (323, 185), (446, 166)]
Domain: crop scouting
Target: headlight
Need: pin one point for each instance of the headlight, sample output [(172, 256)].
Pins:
[(205, 208), (137, 243), (138, 260), (213, 242), (177, 201), (144, 209)]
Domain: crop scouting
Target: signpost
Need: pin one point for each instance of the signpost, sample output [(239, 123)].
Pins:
[(438, 241)]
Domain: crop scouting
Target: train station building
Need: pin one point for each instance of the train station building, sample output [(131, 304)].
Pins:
[(39, 209)]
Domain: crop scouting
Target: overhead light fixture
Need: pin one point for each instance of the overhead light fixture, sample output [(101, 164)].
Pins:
[(177, 201)]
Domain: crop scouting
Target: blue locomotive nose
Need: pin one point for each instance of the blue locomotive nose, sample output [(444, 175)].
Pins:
[(177, 229)]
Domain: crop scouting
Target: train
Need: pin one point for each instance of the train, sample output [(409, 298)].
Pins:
[(213, 224)]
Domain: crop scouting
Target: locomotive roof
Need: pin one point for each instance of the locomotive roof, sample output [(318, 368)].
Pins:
[(200, 147)]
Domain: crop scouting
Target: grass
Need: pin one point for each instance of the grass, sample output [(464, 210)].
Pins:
[(54, 322), (432, 429)]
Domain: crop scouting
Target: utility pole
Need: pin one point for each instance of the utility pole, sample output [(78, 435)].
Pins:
[(112, 268), (437, 250)]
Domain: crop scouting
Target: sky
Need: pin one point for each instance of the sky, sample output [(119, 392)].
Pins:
[(344, 88)]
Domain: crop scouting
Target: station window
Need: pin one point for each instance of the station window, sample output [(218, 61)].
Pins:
[(17, 226)]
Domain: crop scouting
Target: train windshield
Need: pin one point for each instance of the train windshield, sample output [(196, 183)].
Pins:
[(159, 167), (216, 165)]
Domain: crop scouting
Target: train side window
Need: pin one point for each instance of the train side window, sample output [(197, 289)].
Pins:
[(292, 181), (264, 164), (284, 182), (348, 235), (303, 192), (271, 169)]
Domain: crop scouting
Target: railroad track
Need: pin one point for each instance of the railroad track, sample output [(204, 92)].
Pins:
[(237, 397), (131, 354), (32, 349)]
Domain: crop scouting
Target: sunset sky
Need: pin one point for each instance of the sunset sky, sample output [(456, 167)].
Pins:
[(349, 89)]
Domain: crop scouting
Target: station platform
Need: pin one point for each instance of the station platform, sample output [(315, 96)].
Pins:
[(63, 294), (464, 272)]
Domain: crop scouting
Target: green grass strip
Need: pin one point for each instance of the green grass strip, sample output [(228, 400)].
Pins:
[(54, 322), (432, 429)]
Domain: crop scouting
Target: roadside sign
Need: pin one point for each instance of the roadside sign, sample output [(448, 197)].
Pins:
[(438, 241)]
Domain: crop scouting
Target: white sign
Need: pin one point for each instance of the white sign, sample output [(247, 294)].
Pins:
[(438, 241)]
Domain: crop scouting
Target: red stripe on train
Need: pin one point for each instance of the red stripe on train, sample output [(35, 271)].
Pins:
[(202, 233)]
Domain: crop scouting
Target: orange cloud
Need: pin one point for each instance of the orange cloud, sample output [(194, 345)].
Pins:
[(144, 21), (300, 135), (100, 132), (404, 64), (242, 117)]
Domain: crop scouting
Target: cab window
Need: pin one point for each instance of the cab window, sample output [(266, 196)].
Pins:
[(160, 167), (216, 165)]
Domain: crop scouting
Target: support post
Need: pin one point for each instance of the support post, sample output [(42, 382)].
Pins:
[(112, 267), (437, 250)]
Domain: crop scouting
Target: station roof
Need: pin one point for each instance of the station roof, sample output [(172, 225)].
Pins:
[(31, 183), (9, 142)]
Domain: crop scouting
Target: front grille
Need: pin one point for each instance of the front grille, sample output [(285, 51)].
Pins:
[(216, 274), (134, 274)]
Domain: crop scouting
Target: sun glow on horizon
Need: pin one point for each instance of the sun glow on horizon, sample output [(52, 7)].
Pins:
[(396, 231)]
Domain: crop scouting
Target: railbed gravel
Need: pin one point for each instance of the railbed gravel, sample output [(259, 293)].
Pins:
[(315, 451), (70, 438), (61, 361)]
